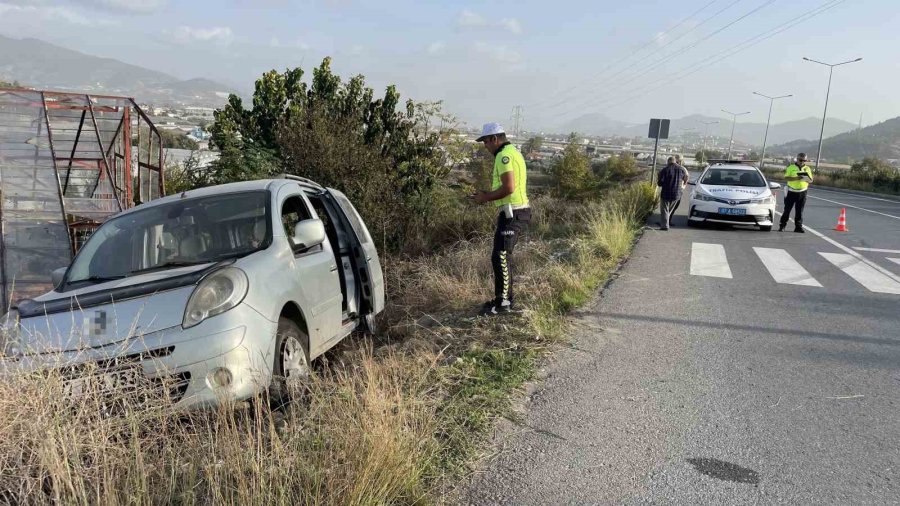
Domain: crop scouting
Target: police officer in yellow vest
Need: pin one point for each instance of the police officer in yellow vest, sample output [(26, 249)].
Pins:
[(508, 195), (798, 176)]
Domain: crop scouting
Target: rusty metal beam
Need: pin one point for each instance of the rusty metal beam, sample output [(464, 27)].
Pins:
[(105, 160), (74, 149), (62, 200)]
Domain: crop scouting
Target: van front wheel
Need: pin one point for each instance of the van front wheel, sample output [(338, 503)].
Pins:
[(291, 369)]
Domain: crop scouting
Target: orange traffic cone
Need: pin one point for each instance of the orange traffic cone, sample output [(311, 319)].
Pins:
[(842, 221)]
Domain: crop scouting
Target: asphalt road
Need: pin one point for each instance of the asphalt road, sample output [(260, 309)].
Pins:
[(686, 386)]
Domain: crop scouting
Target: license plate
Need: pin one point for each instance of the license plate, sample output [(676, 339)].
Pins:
[(732, 211), (125, 379)]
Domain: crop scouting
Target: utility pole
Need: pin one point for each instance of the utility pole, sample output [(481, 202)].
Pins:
[(517, 117), (762, 159), (705, 137), (734, 116), (831, 67)]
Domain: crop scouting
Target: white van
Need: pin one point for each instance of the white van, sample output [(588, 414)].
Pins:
[(223, 291)]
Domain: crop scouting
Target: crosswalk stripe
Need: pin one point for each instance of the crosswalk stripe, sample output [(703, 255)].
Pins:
[(709, 260), (895, 260), (863, 273), (783, 268)]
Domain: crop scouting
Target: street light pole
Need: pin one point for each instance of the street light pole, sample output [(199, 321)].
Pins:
[(762, 159), (705, 137), (734, 116), (831, 67)]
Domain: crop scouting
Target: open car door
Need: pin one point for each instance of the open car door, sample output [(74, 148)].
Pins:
[(365, 257)]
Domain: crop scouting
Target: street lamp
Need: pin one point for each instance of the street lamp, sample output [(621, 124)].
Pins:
[(831, 67), (705, 137), (734, 116), (762, 159)]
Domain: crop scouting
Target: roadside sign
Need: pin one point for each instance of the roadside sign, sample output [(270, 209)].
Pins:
[(659, 129)]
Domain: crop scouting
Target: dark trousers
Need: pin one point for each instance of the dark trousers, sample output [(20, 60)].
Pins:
[(794, 200), (505, 239)]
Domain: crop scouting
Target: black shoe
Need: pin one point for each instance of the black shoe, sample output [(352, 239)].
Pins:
[(492, 308), (799, 230), (781, 228)]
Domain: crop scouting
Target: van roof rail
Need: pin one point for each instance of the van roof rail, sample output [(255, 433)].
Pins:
[(300, 179)]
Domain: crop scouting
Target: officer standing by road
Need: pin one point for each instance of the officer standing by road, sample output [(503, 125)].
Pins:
[(798, 176), (508, 182)]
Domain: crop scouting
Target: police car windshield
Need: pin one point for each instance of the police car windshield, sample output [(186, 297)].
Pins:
[(732, 177)]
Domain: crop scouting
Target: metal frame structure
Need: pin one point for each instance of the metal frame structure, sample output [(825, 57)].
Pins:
[(67, 163)]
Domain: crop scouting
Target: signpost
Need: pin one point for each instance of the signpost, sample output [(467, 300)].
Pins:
[(659, 129)]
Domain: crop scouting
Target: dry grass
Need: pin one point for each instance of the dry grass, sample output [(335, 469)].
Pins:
[(379, 424)]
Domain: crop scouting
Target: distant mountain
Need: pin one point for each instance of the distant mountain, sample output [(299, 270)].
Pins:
[(744, 133), (881, 140), (39, 64), (594, 124)]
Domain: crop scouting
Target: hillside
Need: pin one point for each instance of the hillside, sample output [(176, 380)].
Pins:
[(881, 140), (745, 133), (44, 65)]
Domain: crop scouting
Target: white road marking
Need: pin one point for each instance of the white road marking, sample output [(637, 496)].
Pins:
[(876, 250), (856, 207), (850, 252), (856, 195), (783, 268), (863, 273), (709, 260), (895, 260)]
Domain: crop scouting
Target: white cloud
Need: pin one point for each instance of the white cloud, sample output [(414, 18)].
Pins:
[(297, 44), (35, 9), (218, 34), (512, 24), (436, 47), (469, 18), (498, 53), (130, 6)]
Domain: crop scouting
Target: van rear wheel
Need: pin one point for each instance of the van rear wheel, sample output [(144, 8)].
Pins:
[(291, 370)]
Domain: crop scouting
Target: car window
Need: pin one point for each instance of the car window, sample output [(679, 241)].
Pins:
[(732, 177), (293, 211)]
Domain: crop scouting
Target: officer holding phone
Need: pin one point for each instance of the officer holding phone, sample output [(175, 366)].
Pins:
[(508, 181), (798, 176)]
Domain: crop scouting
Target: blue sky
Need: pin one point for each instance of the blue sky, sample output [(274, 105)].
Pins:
[(629, 60)]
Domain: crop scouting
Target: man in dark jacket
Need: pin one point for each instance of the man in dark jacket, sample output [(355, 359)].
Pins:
[(670, 180)]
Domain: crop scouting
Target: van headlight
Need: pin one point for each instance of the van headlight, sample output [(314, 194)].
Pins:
[(216, 293)]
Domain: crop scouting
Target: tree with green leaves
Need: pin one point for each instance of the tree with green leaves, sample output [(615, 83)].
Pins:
[(573, 174), (384, 154), (531, 145)]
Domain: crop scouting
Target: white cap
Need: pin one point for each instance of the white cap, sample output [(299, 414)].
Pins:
[(490, 129)]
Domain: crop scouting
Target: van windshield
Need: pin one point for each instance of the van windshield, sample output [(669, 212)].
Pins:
[(183, 232)]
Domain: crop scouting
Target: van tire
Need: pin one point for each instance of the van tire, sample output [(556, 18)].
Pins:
[(291, 370)]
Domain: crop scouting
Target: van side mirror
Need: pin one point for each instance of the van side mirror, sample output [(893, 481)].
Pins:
[(308, 233), (774, 186), (56, 277)]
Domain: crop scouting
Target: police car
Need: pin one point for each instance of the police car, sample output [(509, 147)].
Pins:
[(733, 193)]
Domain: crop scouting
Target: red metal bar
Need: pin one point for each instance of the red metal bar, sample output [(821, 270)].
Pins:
[(126, 147), (74, 149), (62, 201)]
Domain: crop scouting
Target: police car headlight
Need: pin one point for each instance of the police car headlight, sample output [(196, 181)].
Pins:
[(216, 294), (707, 198), (767, 200)]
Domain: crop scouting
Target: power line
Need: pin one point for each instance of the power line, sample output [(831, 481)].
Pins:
[(543, 103), (717, 57), (608, 78), (658, 63)]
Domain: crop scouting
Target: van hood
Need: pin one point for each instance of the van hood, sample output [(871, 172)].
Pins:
[(104, 314), (739, 193)]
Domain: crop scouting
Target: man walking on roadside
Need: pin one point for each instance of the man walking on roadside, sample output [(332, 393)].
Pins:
[(798, 176), (671, 179), (679, 162), (508, 181)]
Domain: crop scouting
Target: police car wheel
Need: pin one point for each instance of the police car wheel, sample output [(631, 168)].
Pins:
[(767, 228)]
